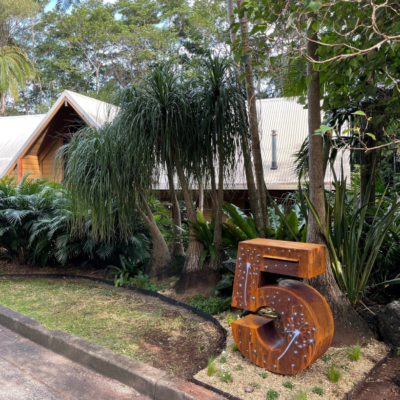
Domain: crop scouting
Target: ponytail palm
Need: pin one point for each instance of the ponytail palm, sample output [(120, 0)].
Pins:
[(224, 123), (15, 69), (159, 119)]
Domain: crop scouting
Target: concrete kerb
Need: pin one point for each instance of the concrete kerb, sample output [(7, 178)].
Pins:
[(147, 380)]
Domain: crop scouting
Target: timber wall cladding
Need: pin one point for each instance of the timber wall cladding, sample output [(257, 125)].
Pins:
[(306, 317)]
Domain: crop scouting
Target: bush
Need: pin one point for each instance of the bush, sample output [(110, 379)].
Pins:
[(318, 390), (288, 385), (354, 352), (272, 394), (143, 281), (301, 395), (211, 369), (333, 373), (226, 377), (213, 305), (35, 228)]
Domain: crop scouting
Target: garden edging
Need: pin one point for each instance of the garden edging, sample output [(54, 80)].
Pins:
[(147, 380), (150, 381)]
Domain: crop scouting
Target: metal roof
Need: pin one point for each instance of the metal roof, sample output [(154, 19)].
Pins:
[(286, 116), (290, 120), (17, 136), (14, 132)]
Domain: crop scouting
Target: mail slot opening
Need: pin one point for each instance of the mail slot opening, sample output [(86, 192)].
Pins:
[(284, 267), (266, 278)]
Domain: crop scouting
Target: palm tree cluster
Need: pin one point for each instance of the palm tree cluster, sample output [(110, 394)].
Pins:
[(188, 129)]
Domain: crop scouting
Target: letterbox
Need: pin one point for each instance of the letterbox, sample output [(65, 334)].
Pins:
[(306, 319)]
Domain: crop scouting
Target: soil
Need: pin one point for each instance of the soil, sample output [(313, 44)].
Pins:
[(382, 384)]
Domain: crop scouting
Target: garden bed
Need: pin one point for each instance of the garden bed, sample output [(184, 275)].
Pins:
[(245, 374), (144, 328)]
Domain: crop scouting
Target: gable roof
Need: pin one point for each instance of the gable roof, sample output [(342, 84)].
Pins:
[(20, 135), (14, 133)]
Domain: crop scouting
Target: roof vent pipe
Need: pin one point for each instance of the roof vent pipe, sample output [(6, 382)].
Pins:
[(274, 164)]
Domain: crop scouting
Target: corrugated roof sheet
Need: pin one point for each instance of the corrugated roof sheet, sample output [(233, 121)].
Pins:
[(14, 132), (286, 116), (290, 120)]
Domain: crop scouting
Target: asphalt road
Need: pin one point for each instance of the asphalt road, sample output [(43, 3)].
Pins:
[(31, 372)]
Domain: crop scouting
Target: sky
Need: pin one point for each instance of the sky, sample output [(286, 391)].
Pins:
[(52, 4)]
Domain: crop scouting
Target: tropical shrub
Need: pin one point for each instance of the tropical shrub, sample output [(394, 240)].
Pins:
[(35, 228), (355, 234), (213, 305)]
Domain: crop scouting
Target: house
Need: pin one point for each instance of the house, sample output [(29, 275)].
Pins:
[(29, 143)]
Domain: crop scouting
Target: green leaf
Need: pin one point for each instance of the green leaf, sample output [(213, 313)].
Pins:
[(371, 135), (243, 59), (242, 77), (323, 129), (314, 5), (203, 256), (358, 113)]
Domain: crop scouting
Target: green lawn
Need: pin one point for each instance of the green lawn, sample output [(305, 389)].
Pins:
[(110, 317)]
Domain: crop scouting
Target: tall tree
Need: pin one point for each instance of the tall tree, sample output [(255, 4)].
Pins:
[(253, 118), (291, 40), (248, 164)]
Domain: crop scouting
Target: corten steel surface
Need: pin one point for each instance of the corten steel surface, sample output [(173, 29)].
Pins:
[(306, 317)]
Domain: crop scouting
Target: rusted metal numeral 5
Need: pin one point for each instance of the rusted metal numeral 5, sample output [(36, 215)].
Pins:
[(307, 323)]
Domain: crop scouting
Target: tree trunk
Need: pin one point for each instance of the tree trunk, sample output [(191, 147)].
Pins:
[(177, 245), (217, 239), (201, 196), (160, 259), (2, 103), (342, 311), (248, 165), (251, 101), (194, 276)]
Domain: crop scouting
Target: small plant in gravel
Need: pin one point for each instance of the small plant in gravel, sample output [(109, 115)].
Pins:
[(318, 390), (345, 367), (201, 348), (272, 394), (234, 347), (354, 352), (239, 368), (333, 373), (223, 359), (264, 375), (226, 377), (288, 385), (255, 385), (230, 318), (301, 395), (211, 368), (326, 357)]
